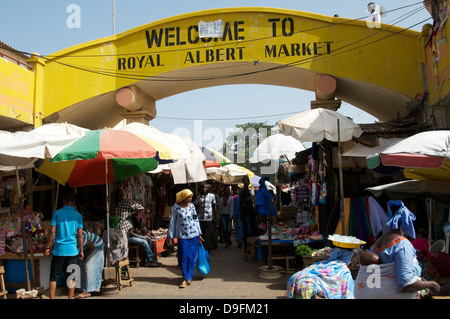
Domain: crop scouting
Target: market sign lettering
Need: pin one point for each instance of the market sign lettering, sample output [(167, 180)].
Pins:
[(234, 31)]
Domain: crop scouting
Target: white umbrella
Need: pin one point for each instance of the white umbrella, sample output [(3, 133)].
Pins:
[(58, 136), (275, 146), (318, 124), (228, 174)]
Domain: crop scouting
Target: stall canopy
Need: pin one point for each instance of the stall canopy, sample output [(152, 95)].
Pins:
[(423, 156), (354, 149), (276, 146)]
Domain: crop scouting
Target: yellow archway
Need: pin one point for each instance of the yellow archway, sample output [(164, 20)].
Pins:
[(375, 69)]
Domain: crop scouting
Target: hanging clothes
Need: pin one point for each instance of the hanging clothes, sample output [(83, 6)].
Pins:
[(262, 197), (363, 218)]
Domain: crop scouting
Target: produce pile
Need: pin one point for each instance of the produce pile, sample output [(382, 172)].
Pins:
[(305, 250)]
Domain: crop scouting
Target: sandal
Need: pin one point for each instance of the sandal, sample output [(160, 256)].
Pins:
[(184, 284), (83, 295)]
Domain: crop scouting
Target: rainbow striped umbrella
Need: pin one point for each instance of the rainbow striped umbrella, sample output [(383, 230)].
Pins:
[(100, 156)]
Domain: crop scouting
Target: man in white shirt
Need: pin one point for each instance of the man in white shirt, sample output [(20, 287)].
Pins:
[(206, 210)]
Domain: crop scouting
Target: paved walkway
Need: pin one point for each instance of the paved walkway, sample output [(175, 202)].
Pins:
[(231, 277)]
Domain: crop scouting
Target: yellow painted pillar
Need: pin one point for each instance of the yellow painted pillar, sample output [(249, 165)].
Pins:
[(38, 64)]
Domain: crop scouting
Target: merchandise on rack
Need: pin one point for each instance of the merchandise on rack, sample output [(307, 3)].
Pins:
[(11, 232)]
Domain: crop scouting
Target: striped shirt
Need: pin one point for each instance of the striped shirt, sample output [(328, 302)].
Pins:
[(93, 238)]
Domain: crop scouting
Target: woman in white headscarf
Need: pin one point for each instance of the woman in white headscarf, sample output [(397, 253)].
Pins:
[(184, 226), (397, 273)]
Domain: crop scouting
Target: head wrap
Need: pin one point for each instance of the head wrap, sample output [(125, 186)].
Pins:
[(442, 262), (403, 216), (181, 195)]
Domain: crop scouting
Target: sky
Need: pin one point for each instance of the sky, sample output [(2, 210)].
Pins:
[(41, 26)]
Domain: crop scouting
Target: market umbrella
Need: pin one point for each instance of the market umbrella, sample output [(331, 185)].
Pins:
[(169, 146), (98, 158), (124, 154), (318, 124), (184, 156), (21, 150), (229, 174), (423, 156), (276, 146)]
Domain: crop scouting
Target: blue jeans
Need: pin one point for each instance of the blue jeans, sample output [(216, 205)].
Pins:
[(146, 245), (226, 222)]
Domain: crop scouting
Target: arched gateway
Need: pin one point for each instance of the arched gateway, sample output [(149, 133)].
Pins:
[(97, 83)]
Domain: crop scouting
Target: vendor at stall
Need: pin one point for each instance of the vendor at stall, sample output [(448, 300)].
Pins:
[(328, 279), (398, 270)]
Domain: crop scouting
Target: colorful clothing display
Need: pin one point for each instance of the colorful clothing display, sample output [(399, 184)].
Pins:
[(364, 219)]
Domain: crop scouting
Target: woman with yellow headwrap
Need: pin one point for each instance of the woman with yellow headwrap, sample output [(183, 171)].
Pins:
[(184, 226)]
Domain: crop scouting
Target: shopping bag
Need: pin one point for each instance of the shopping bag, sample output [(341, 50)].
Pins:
[(203, 266)]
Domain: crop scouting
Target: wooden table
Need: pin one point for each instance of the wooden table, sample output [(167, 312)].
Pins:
[(34, 268)]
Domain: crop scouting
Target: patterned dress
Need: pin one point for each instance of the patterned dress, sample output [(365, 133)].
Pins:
[(324, 279)]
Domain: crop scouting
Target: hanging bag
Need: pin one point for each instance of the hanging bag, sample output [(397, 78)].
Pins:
[(203, 266)]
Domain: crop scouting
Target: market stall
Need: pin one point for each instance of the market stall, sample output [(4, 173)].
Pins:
[(319, 126)]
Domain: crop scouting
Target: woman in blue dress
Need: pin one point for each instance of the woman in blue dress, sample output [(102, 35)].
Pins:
[(397, 274), (184, 226)]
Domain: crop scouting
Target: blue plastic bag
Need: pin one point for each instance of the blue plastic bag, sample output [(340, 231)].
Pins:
[(203, 266)]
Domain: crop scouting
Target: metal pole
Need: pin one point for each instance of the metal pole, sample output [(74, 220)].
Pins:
[(269, 229), (341, 179)]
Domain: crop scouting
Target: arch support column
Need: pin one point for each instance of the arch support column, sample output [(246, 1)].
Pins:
[(325, 93), (139, 106)]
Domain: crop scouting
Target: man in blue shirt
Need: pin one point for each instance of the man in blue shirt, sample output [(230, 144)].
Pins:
[(67, 233)]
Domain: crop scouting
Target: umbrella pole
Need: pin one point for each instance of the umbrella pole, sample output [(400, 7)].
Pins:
[(108, 249), (341, 179), (24, 234), (269, 229)]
